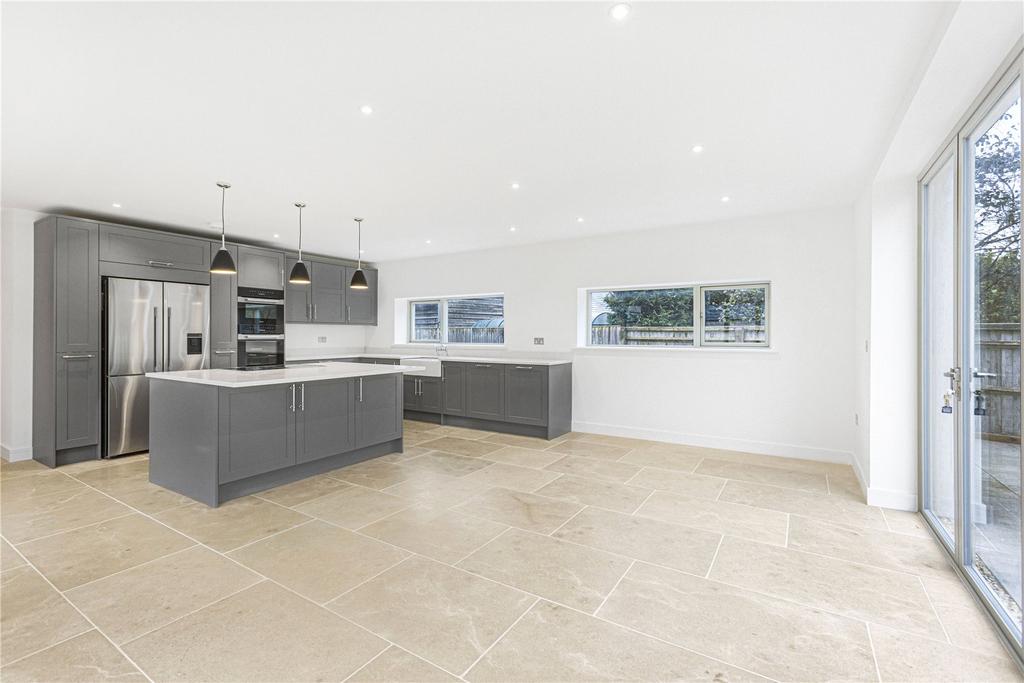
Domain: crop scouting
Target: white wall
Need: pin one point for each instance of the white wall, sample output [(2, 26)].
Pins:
[(16, 341), (793, 400), (860, 348), (303, 340)]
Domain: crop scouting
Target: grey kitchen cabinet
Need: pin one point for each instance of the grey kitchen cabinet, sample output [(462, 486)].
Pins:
[(361, 304), (328, 290), (78, 400), (526, 394), (260, 268), (326, 424), (453, 388), (423, 394), (257, 431), (224, 315), (134, 246), (298, 299), (410, 395), (77, 287), (378, 409), (485, 391)]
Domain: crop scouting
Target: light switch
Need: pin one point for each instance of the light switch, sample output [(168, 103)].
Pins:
[(538, 341)]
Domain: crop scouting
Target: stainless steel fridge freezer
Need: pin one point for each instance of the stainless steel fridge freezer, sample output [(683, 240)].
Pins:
[(151, 327)]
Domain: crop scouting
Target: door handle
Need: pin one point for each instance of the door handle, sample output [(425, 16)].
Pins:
[(76, 356), (160, 264), (302, 397), (292, 406), (360, 389), (156, 318), (167, 351), (985, 375), (954, 380)]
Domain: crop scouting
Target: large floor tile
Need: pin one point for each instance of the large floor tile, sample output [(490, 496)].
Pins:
[(25, 519), (765, 635), (599, 493), (596, 469), (723, 518), (843, 482), (620, 441), (447, 463), (669, 457), (442, 614), (518, 509), (920, 556), (129, 483), (553, 643), (418, 426), (431, 488), (318, 560), (829, 508), (32, 486), (520, 441), (408, 453), (372, 474), (589, 449), (903, 658), (435, 532), (73, 558), (416, 438), (877, 595), (566, 573), (761, 474), (961, 614), (33, 615), (461, 432), (264, 633), (133, 602), (651, 540), (523, 457), (88, 657), (303, 490), (234, 523), (77, 468), (911, 523), (9, 558), (353, 507), (683, 483), (513, 477), (396, 665), (18, 468), (469, 447)]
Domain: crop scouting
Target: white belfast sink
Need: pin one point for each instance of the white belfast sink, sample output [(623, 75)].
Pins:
[(429, 367)]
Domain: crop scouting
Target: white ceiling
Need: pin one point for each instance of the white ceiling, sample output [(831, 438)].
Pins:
[(149, 104)]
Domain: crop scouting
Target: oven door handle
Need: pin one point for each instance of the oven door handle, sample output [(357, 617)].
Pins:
[(260, 337), (255, 300)]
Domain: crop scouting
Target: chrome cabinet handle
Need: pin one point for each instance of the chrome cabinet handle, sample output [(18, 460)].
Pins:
[(481, 365), (75, 356), (292, 406), (302, 397), (348, 313), (314, 311), (360, 389), (160, 264), (524, 367), (223, 353)]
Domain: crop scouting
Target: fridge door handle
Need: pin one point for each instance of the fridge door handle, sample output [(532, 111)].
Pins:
[(156, 341), (167, 350)]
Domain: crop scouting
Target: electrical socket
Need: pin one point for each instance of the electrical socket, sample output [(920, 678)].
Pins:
[(321, 340), (538, 341)]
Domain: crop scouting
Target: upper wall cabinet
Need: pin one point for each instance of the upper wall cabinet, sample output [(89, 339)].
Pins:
[(261, 268), (328, 289), (328, 298), (298, 299), (77, 287), (134, 246), (361, 304)]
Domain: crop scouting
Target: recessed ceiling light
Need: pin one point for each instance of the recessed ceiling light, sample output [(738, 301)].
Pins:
[(620, 11), (276, 236), (366, 109), (579, 219), (116, 205), (428, 241), (515, 186), (511, 228), (725, 199), (697, 149)]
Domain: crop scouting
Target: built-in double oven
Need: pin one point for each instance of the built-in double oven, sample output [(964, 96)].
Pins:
[(260, 327)]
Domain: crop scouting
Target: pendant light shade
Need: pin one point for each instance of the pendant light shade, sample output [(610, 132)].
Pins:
[(299, 274), (222, 263), (358, 277)]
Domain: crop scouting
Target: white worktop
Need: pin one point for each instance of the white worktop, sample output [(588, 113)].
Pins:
[(301, 373), (309, 355)]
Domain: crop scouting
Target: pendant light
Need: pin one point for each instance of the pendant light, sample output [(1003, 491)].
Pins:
[(358, 278), (222, 263), (299, 274)]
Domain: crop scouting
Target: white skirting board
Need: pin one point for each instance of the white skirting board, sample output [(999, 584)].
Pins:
[(15, 454)]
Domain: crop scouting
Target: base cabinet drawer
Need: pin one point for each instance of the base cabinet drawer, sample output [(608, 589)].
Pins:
[(257, 431), (78, 400), (526, 394)]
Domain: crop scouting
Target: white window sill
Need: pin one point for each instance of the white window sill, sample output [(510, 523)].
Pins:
[(430, 345), (668, 350)]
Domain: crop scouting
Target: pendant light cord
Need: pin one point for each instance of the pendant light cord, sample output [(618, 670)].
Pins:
[(359, 256), (223, 227), (300, 233)]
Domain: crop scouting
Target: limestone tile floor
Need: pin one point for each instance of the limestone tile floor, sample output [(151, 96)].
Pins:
[(483, 557)]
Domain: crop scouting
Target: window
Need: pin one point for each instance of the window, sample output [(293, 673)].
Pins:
[(729, 315), (458, 320)]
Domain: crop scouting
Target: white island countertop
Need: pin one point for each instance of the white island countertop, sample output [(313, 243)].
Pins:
[(299, 373)]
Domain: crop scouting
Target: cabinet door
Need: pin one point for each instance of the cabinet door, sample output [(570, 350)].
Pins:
[(224, 315), (430, 394), (297, 307), (410, 397), (260, 268), (453, 388), (526, 394), (257, 430), (378, 409), (361, 304), (485, 391), (152, 248), (77, 282), (328, 292), (78, 400), (326, 424)]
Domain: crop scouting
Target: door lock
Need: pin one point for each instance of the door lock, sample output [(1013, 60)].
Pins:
[(954, 381)]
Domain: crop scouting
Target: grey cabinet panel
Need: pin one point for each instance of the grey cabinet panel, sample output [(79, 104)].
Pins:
[(430, 395), (224, 315), (328, 291), (257, 431), (410, 397), (326, 422), (361, 304), (485, 391), (152, 248), (297, 298), (378, 409), (260, 268), (453, 388), (78, 400), (77, 286), (526, 394)]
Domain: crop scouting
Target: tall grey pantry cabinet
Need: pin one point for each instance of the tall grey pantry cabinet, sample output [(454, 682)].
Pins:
[(66, 339)]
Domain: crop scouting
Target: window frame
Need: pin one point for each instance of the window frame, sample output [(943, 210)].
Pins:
[(698, 316), (442, 302)]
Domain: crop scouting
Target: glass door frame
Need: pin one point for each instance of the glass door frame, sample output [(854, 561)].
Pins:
[(1011, 71)]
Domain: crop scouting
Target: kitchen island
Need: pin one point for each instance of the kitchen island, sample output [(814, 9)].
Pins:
[(215, 435)]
